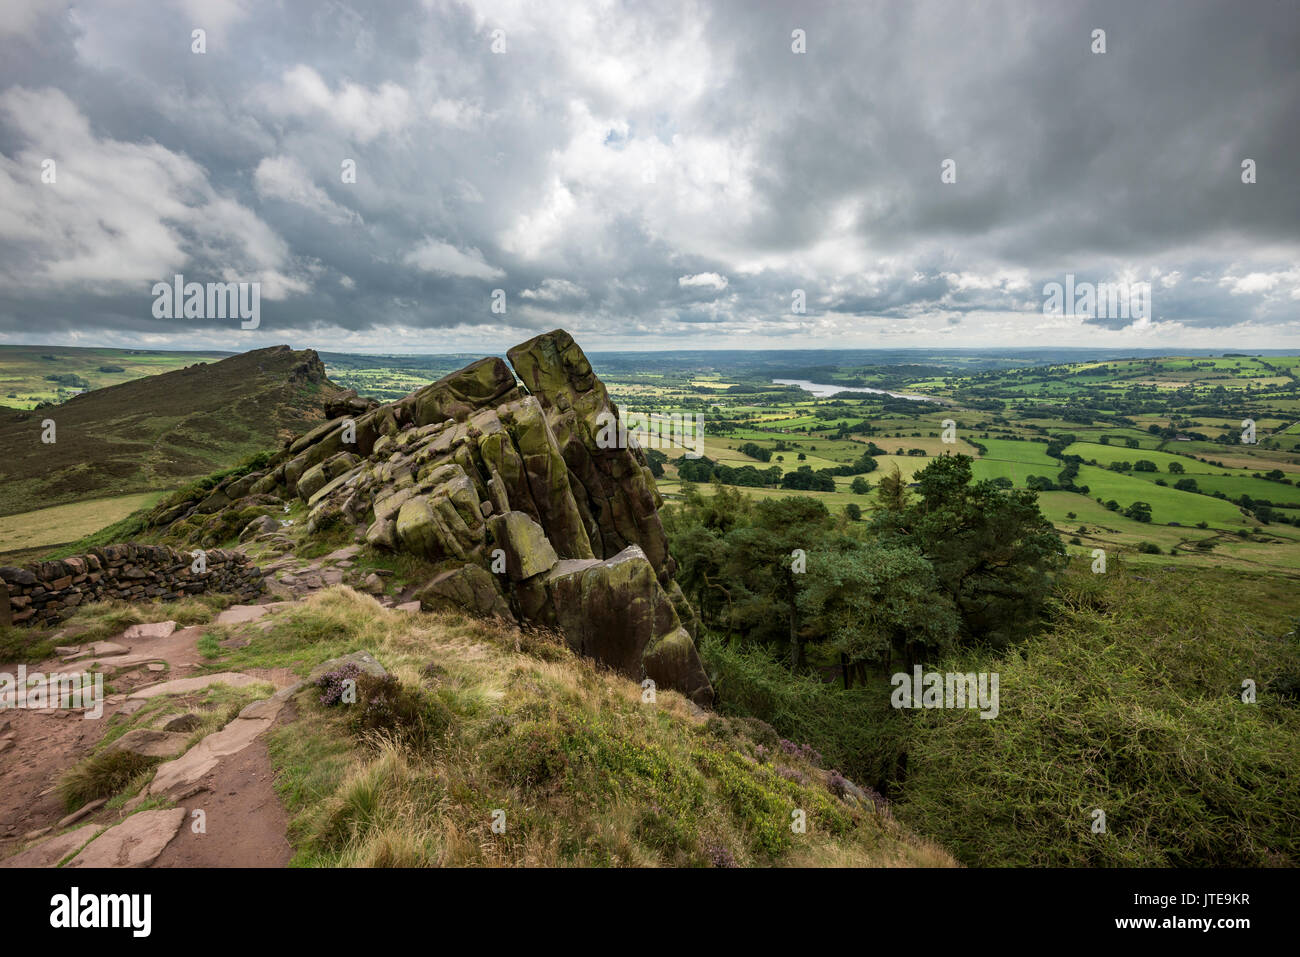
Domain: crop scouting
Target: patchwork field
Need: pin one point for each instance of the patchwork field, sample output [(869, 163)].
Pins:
[(1132, 420)]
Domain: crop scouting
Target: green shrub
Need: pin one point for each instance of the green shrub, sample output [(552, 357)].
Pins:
[(387, 706), (1132, 706), (856, 730)]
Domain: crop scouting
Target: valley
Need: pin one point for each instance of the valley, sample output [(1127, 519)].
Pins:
[(1100, 519)]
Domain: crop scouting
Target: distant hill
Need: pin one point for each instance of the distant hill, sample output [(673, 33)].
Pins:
[(33, 374), (157, 432)]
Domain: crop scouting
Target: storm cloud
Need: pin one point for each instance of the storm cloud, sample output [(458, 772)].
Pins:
[(455, 177)]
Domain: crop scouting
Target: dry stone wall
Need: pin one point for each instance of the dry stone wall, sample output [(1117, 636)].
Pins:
[(46, 592)]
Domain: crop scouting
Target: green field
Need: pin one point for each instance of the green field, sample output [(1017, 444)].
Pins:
[(1195, 404), (42, 529)]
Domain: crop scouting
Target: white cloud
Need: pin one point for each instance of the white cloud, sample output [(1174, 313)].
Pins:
[(214, 15), (704, 280), (121, 212), (19, 16), (436, 256), (1255, 282), (359, 111), (458, 113), (284, 178), (553, 290)]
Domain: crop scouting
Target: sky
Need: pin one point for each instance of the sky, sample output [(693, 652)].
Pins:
[(405, 177)]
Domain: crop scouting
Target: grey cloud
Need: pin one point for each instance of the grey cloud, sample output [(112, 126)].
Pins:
[(777, 171)]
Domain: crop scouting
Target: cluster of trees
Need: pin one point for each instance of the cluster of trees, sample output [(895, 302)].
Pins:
[(1138, 511), (805, 479), (949, 561), (704, 469), (802, 479), (1056, 446)]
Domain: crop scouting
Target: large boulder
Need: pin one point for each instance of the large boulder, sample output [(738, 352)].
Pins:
[(468, 588), (617, 612), (617, 497), (528, 551), (481, 383), (151, 743), (444, 521)]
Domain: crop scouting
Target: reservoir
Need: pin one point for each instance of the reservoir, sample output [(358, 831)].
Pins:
[(823, 391)]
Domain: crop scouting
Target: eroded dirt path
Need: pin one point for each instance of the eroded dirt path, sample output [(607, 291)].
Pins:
[(244, 821)]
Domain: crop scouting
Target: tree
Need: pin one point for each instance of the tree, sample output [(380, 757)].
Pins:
[(1176, 468), (656, 460), (761, 572), (853, 512), (1139, 512), (893, 493), (860, 486), (873, 601), (992, 550)]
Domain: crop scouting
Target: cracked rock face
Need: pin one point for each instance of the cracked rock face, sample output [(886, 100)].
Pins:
[(505, 489)]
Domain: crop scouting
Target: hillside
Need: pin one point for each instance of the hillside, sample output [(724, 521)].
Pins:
[(157, 432), (30, 375), (488, 747)]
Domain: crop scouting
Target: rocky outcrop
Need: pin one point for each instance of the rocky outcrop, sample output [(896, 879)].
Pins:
[(510, 494), (47, 592)]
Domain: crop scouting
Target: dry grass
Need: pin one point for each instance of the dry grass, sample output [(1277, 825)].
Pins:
[(584, 772)]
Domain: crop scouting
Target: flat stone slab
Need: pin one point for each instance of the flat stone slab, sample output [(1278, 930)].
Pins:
[(151, 743), (343, 554), (121, 661), (187, 685), (100, 649), (239, 614), (133, 843), (53, 849), (204, 756), (84, 811), (412, 606), (157, 629)]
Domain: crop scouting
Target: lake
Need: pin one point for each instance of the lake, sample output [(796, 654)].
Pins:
[(823, 391)]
